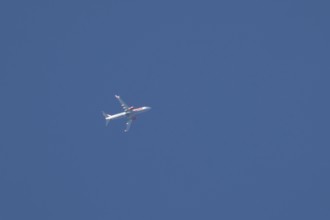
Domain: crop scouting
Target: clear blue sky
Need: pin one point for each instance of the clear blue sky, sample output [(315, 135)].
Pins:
[(239, 127)]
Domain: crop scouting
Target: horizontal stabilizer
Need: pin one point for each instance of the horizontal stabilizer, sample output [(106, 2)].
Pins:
[(106, 117)]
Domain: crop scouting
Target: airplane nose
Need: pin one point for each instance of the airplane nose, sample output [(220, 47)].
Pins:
[(148, 108)]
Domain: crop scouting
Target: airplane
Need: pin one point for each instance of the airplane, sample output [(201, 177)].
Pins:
[(129, 113)]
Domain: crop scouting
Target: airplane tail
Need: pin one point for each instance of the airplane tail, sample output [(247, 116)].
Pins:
[(106, 117)]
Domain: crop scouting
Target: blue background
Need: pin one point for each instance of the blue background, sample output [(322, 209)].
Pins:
[(239, 126)]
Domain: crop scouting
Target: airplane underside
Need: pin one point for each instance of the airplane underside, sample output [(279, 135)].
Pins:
[(129, 113)]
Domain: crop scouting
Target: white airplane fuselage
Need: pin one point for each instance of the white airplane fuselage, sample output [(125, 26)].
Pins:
[(128, 114)]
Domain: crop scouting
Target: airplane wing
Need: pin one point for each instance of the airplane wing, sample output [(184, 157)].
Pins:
[(128, 124), (122, 103)]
